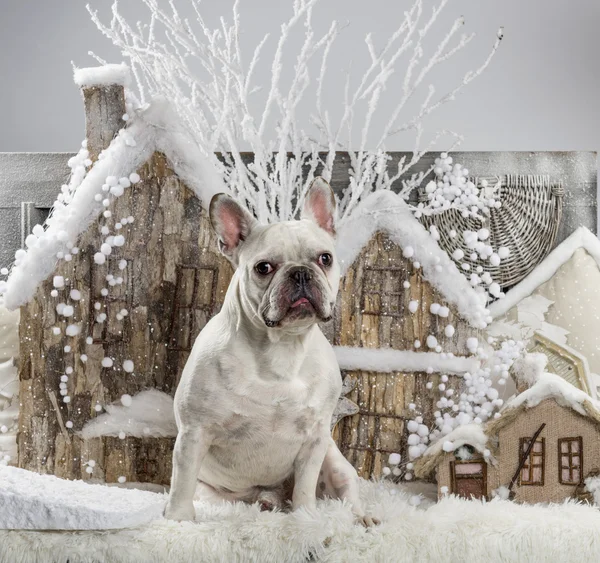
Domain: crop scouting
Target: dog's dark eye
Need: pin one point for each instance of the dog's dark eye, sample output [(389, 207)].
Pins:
[(325, 259), (263, 268)]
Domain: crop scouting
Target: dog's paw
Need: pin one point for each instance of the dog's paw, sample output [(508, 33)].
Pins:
[(185, 513), (366, 520)]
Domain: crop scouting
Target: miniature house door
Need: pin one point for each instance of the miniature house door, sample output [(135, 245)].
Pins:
[(469, 478)]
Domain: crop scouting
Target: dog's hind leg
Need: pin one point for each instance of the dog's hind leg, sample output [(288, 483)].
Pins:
[(338, 479)]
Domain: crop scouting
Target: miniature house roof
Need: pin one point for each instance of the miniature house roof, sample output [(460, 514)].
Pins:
[(153, 128), (388, 212), (545, 270), (565, 362), (549, 386)]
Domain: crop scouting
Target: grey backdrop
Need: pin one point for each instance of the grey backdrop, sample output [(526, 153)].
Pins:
[(541, 92)]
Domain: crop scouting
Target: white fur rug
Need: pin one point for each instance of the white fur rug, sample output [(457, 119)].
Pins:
[(453, 530)]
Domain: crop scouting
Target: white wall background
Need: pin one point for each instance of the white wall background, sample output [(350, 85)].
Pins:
[(540, 93)]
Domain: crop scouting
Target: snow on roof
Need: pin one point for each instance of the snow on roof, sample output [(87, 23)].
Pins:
[(468, 434), (581, 238), (155, 128), (386, 211), (551, 386), (102, 75), (387, 360)]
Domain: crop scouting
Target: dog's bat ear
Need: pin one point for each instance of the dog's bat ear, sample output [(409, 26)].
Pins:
[(231, 221), (319, 205)]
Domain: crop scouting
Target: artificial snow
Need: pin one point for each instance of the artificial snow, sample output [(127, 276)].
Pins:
[(102, 75), (581, 238), (31, 501), (148, 414), (386, 211), (453, 529), (553, 386), (157, 128), (468, 434), (388, 360)]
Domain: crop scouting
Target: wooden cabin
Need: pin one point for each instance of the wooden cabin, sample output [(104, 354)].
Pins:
[(393, 273)]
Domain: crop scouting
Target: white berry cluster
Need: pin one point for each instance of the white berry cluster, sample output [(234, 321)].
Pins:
[(452, 189)]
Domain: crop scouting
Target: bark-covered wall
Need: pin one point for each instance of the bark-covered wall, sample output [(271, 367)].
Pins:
[(174, 281), (373, 312)]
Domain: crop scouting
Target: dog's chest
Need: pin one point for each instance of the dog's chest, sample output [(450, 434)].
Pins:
[(282, 411)]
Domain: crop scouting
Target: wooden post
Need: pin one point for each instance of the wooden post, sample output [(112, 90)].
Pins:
[(104, 110)]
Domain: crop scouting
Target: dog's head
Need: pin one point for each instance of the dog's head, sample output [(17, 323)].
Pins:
[(288, 272)]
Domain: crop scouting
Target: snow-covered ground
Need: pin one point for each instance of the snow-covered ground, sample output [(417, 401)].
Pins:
[(412, 529)]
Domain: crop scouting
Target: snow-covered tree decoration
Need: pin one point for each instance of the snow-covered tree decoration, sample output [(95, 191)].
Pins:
[(211, 83)]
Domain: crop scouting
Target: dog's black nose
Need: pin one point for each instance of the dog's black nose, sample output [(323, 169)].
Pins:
[(301, 276)]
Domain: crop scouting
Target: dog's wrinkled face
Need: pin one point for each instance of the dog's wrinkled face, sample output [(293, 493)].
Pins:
[(288, 272)]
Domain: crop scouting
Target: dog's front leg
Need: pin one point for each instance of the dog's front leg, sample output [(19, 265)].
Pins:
[(307, 465), (190, 448)]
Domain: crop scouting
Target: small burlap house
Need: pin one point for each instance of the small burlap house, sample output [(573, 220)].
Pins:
[(114, 290), (543, 446), (401, 301)]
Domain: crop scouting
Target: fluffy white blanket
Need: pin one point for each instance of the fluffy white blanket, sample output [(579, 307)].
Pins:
[(453, 530)]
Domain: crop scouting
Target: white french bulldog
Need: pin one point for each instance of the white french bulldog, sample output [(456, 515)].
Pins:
[(255, 400)]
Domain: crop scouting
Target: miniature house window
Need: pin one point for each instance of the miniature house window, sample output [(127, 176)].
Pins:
[(532, 470), (570, 453), (469, 478), (382, 291)]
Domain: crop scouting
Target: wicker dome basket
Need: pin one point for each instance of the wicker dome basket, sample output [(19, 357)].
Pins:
[(527, 223)]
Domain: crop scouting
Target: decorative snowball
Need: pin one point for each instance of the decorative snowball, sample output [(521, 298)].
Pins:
[(75, 294), (58, 282), (3, 429), (67, 311), (408, 252), (415, 500), (406, 284), (413, 306), (55, 330), (107, 214), (83, 358), (394, 459), (386, 470), (126, 400), (134, 178), (117, 191), (431, 341), (66, 399), (443, 312), (104, 292), (88, 469), (412, 426), (417, 265), (434, 308), (98, 408), (495, 289), (69, 424), (99, 258), (106, 249), (458, 254), (122, 264), (452, 233), (121, 479), (483, 234), (423, 430), (124, 182), (448, 446), (89, 340), (495, 259), (444, 490), (413, 440), (503, 252), (449, 331), (4, 272), (107, 362), (417, 343), (128, 366), (122, 435), (73, 330), (472, 344), (396, 471), (119, 240)]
